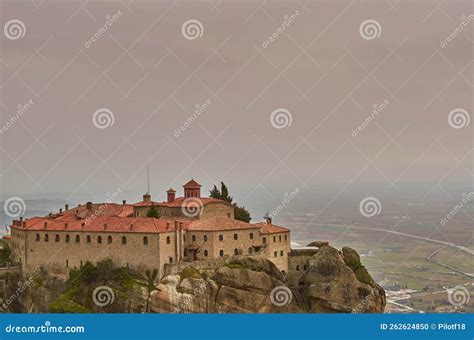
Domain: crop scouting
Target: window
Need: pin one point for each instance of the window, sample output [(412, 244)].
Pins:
[(221, 252), (236, 251), (145, 240), (109, 239), (304, 267), (286, 237), (124, 240), (194, 238), (279, 238), (235, 237), (171, 260), (78, 239), (228, 214), (206, 253), (67, 238), (251, 236), (250, 250), (56, 239), (37, 237), (264, 240), (67, 263), (281, 252), (297, 268), (274, 239), (168, 241), (88, 239), (221, 237), (275, 254), (99, 239), (46, 237), (205, 238)]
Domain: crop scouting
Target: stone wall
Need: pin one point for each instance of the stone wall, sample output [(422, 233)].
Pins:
[(298, 263), (277, 249)]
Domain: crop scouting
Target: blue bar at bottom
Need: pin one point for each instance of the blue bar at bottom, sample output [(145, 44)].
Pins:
[(237, 326)]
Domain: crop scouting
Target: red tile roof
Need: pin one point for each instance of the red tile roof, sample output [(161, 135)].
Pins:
[(7, 237), (98, 209), (219, 223), (103, 224), (271, 228), (192, 184)]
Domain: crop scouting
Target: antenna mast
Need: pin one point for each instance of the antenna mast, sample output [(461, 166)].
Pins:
[(148, 177)]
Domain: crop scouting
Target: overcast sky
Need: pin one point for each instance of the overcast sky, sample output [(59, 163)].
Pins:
[(321, 73)]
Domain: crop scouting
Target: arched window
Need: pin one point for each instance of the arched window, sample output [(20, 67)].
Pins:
[(67, 263), (78, 239), (221, 252), (124, 240), (251, 236), (304, 267), (206, 253), (145, 240), (205, 238), (171, 260), (109, 239), (286, 237), (236, 251), (67, 238), (279, 238), (275, 254), (168, 240), (221, 237), (88, 239), (250, 250), (37, 237), (297, 268), (194, 238), (235, 237), (264, 240), (99, 239), (274, 239), (56, 239), (46, 237)]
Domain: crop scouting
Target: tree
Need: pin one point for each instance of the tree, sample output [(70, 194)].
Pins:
[(150, 286), (153, 212), (5, 253), (240, 213)]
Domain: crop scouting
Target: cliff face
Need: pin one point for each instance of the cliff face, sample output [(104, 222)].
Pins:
[(334, 282)]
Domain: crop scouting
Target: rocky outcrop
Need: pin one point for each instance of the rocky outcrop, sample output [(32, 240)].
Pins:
[(335, 281)]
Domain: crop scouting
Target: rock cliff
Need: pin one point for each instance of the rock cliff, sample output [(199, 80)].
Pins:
[(335, 281)]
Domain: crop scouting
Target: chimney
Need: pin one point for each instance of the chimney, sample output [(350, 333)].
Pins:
[(60, 210), (147, 197), (45, 225), (171, 195), (124, 202), (66, 207), (21, 219), (89, 205), (131, 226), (65, 225), (24, 224), (167, 226), (82, 225), (269, 220), (105, 226)]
